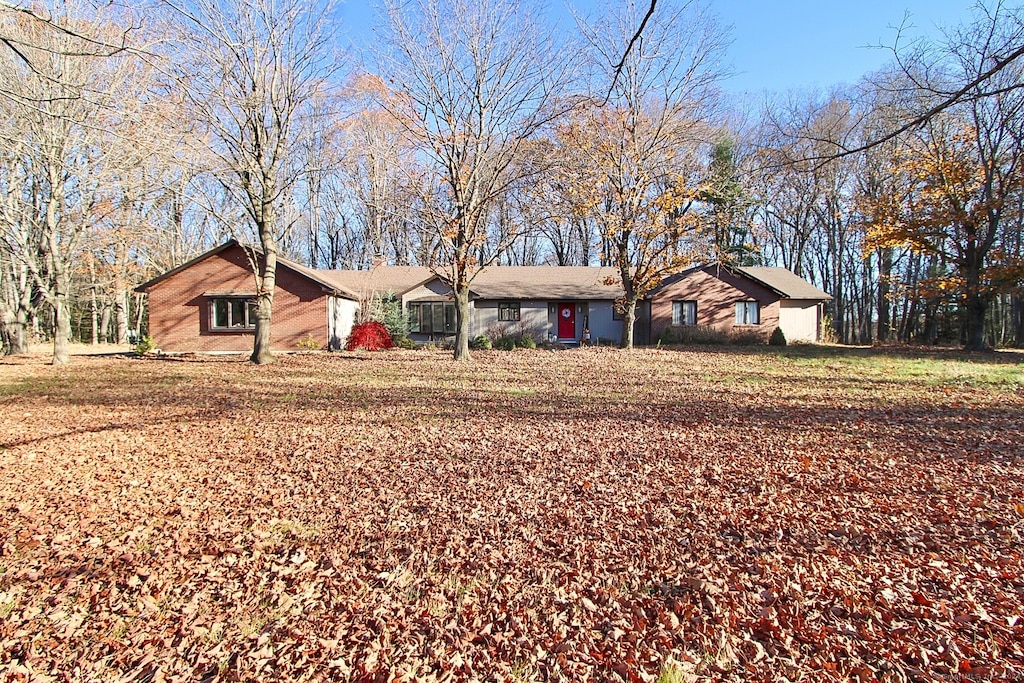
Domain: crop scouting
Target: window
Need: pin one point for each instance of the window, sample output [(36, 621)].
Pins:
[(508, 312), (684, 312), (616, 313), (435, 317), (748, 313), (232, 313)]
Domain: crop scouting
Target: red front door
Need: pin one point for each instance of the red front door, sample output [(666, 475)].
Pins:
[(566, 321)]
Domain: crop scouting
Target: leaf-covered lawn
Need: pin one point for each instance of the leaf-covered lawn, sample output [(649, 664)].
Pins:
[(576, 515)]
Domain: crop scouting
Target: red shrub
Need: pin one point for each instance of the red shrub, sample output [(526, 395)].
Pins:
[(371, 336)]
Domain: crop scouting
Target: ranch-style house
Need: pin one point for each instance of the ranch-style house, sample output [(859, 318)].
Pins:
[(205, 305)]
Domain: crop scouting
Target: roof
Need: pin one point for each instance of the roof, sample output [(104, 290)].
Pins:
[(568, 283), (784, 281), (316, 276), (379, 279)]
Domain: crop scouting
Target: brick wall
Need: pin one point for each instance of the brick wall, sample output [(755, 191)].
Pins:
[(179, 314), (716, 292)]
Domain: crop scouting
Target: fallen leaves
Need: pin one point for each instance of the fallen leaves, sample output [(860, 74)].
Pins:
[(709, 516)]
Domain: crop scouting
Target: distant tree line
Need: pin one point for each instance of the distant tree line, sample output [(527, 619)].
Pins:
[(471, 137)]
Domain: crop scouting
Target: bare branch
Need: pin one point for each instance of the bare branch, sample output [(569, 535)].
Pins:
[(959, 96), (617, 68)]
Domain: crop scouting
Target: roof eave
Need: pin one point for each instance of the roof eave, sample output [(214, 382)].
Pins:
[(325, 286)]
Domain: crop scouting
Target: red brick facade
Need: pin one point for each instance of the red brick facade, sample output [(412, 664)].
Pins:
[(716, 291), (180, 316)]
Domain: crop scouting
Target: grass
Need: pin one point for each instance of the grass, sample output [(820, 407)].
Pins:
[(673, 672)]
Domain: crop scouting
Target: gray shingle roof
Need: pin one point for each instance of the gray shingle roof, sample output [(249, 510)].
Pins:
[(570, 283), (318, 276), (567, 283), (379, 279), (785, 282)]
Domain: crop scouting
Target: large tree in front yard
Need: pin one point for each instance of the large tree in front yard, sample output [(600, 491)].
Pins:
[(643, 140), (250, 71), (473, 81), (958, 193), (963, 176)]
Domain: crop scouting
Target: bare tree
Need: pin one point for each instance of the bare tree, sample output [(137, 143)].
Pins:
[(26, 31), (378, 155), (478, 80), (57, 142), (250, 72), (643, 143), (810, 221), (935, 88)]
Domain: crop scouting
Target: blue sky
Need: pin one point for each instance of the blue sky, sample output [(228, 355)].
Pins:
[(803, 43), (782, 45)]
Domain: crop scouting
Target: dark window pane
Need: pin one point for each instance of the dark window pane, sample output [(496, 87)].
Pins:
[(438, 323), (220, 312), (414, 318), (237, 312), (689, 313)]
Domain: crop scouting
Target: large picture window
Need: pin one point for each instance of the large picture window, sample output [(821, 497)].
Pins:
[(748, 313), (232, 313), (684, 312), (508, 312), (434, 317)]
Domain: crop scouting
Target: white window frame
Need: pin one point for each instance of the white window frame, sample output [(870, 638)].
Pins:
[(231, 310), (684, 312), (748, 313)]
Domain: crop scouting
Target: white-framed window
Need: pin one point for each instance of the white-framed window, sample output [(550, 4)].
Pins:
[(232, 313), (508, 311), (748, 313), (684, 312)]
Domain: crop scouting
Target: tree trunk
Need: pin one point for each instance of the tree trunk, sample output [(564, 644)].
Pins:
[(884, 305), (628, 323), (261, 354), (140, 307), (121, 293), (14, 325), (930, 331), (94, 316), (266, 277), (61, 329), (976, 307), (93, 310), (462, 323), (105, 324), (120, 316), (974, 302), (1017, 319)]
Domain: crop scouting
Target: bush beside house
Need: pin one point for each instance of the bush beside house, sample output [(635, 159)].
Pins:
[(371, 336)]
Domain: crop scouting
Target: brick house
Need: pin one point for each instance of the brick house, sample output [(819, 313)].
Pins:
[(739, 299), (204, 305)]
